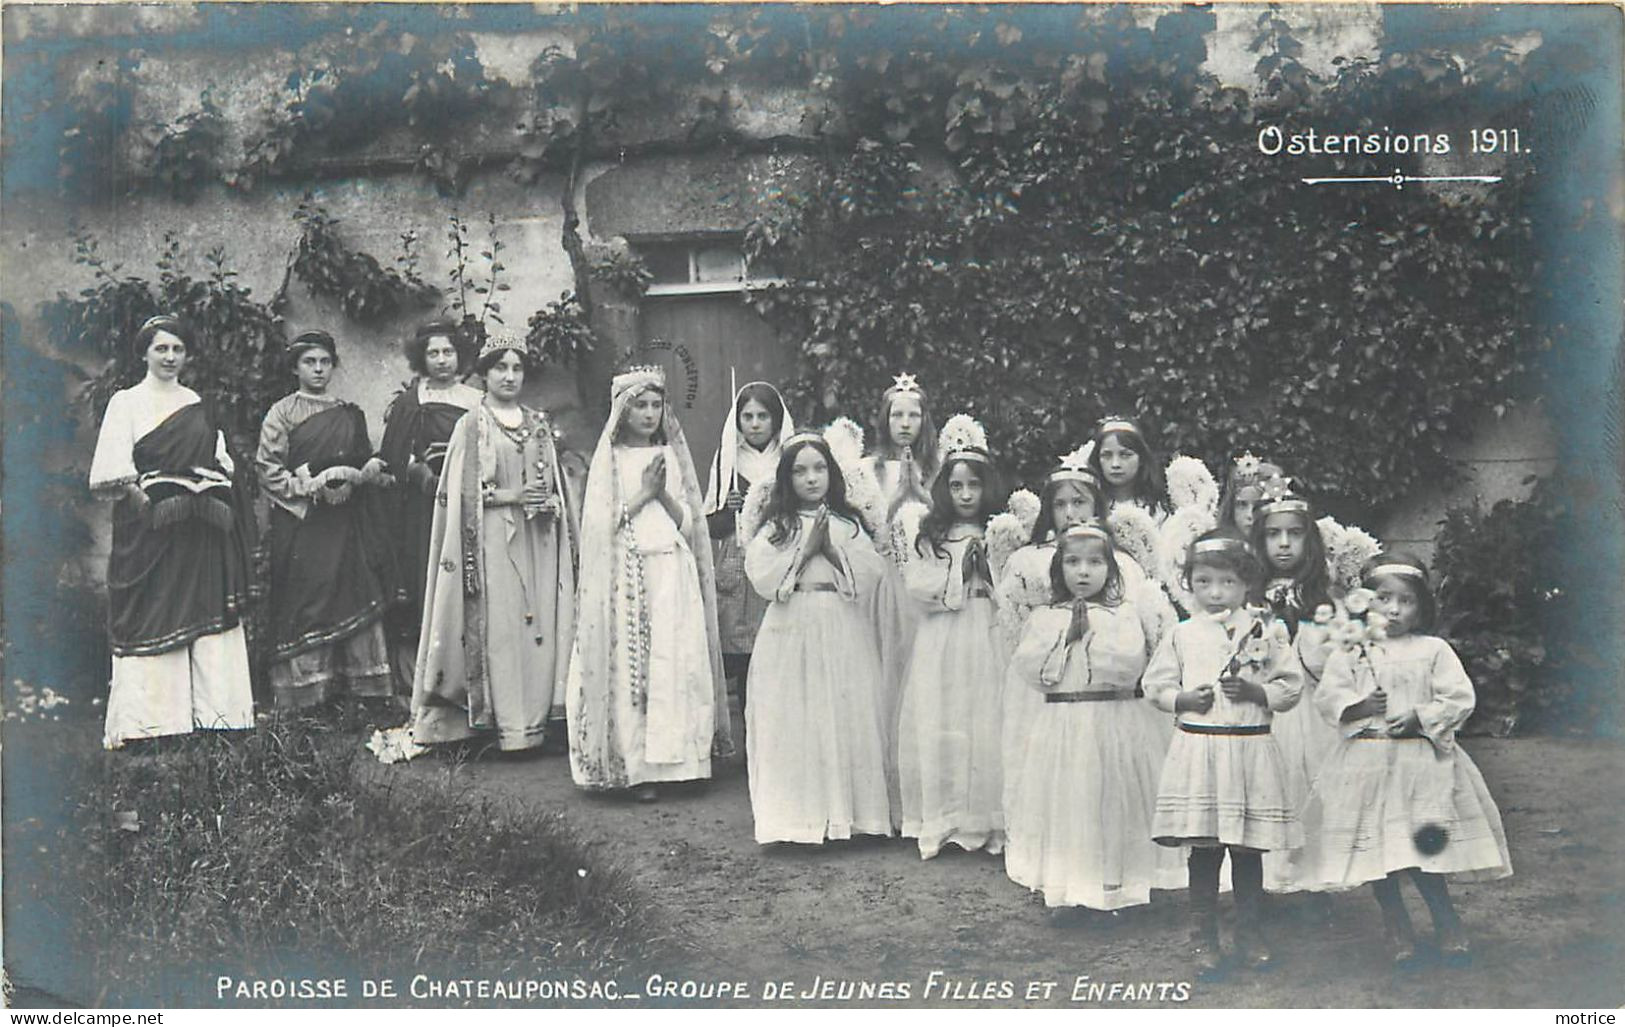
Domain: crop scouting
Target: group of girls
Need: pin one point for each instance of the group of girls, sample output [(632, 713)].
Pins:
[(1112, 689), (1140, 690)]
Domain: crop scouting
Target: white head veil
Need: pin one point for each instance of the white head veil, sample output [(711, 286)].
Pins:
[(724, 463), (601, 625)]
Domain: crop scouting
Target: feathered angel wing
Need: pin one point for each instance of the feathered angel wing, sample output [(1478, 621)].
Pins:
[(845, 440), (1009, 530), (1136, 534), (863, 492), (1347, 550), (1181, 528), (905, 529), (1191, 484)]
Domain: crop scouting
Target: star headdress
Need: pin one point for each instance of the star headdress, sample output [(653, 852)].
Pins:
[(964, 438), (1074, 466), (905, 382)]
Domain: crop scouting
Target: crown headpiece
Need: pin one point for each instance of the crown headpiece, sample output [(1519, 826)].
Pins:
[(963, 438), (502, 339), (636, 378), (1116, 422), (905, 382), (1074, 466)]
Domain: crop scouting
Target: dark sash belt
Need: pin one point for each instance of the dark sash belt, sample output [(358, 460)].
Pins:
[(1096, 696), (1225, 729), (818, 586)]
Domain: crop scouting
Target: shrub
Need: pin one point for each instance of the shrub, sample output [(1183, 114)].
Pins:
[(285, 852)]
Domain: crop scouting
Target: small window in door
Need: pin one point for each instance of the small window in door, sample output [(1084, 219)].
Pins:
[(696, 266)]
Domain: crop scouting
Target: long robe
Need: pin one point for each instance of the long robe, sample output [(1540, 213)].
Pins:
[(417, 431), (332, 569), (178, 575), (499, 611)]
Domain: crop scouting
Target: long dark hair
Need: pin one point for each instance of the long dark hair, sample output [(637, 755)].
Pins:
[(1110, 594), (1045, 525), (1148, 484), (934, 525), (1312, 579), (782, 509)]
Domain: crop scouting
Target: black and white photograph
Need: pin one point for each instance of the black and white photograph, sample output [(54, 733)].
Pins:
[(1099, 506)]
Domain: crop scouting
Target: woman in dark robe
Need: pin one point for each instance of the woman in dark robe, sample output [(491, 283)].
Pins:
[(417, 428), (178, 575), (332, 568)]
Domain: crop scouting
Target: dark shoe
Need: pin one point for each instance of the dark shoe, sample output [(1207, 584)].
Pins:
[(1454, 948), (1253, 952), (1401, 947), (1206, 956)]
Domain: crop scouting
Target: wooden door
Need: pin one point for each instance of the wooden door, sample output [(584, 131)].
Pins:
[(698, 339)]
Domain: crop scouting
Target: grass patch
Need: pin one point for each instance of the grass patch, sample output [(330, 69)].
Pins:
[(287, 853)]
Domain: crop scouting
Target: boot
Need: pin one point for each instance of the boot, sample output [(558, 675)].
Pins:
[(1452, 940), (1247, 877), (1207, 958), (1396, 924)]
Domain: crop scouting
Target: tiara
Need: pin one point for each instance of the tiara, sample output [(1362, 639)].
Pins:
[(1116, 422), (1220, 545), (1403, 570), (1087, 529), (637, 377), (905, 382), (963, 437), (500, 340)]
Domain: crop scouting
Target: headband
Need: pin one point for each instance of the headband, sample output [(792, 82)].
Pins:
[(905, 382), (314, 340), (803, 436), (1289, 504), (1403, 570), (1220, 545), (1087, 529), (1115, 423)]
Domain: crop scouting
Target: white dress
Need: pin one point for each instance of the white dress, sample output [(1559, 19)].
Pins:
[(663, 686), (813, 725), (1386, 804), (1025, 586), (1080, 821), (949, 749), (1224, 781)]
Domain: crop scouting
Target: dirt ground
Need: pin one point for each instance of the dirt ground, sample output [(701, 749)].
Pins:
[(871, 911), (1551, 935)]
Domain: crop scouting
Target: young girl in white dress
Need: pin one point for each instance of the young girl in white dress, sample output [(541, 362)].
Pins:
[(1224, 674), (949, 751), (1079, 821), (1398, 796), (903, 463), (646, 699), (813, 739)]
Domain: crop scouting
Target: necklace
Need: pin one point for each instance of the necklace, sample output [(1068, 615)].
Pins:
[(516, 432)]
